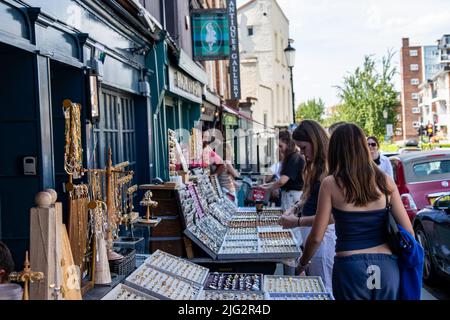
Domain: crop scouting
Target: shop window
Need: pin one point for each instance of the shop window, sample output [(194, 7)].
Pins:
[(116, 129)]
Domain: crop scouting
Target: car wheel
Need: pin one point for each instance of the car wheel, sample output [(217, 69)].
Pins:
[(429, 271)]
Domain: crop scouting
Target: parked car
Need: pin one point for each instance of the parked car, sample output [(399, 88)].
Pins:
[(390, 153), (409, 149), (420, 177), (432, 228)]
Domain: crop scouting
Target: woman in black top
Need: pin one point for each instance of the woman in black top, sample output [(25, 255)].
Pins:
[(313, 141), (291, 181)]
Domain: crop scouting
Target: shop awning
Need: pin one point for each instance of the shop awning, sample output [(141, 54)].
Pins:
[(241, 115)]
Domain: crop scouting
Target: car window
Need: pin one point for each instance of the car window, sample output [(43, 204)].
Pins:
[(430, 170)]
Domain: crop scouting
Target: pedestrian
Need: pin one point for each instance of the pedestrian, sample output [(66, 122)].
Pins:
[(356, 194), (275, 170), (313, 140), (228, 174), (8, 291), (290, 181), (334, 126), (381, 160)]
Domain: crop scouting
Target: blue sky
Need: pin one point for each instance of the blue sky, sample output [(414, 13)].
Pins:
[(332, 36)]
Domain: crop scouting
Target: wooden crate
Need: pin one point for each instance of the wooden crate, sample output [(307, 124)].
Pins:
[(173, 245), (168, 227)]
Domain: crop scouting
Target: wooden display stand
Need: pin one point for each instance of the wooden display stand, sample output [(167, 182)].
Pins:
[(50, 251), (168, 235)]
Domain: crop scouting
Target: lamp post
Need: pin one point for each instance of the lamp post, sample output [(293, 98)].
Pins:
[(290, 59)]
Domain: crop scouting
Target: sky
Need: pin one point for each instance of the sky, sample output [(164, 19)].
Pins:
[(333, 36)]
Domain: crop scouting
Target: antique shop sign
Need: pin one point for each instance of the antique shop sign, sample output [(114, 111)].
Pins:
[(185, 86), (235, 77), (210, 34)]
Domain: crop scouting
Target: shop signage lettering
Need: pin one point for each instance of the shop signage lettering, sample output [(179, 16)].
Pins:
[(235, 77), (185, 86)]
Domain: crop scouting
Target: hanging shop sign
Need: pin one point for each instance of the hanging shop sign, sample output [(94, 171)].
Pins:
[(210, 34), (230, 120), (235, 77), (185, 86)]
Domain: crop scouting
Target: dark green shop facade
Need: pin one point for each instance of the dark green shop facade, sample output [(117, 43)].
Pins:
[(55, 50)]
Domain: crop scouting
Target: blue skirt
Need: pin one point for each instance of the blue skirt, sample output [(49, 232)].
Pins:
[(366, 277)]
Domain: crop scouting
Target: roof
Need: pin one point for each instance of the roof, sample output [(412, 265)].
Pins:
[(407, 156)]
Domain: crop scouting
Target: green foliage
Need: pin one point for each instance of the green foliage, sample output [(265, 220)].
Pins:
[(312, 109), (366, 93)]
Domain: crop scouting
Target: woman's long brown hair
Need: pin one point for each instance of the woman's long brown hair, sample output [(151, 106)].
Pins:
[(350, 163), (316, 168)]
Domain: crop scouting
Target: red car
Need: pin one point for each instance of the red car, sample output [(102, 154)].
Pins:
[(421, 177)]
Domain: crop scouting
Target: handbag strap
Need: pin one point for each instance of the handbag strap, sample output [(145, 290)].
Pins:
[(388, 203)]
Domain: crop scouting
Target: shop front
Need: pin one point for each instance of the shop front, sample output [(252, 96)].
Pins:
[(48, 55)]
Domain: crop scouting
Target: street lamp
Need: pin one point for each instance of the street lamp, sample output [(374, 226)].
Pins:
[(290, 59)]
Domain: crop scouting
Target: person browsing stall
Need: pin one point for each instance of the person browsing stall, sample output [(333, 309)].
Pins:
[(313, 140), (356, 193), (291, 181)]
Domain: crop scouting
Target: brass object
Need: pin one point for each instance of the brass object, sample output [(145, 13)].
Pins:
[(149, 203), (26, 276)]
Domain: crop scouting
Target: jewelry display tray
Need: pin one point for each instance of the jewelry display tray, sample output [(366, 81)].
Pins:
[(156, 295), (267, 278), (240, 256), (149, 260), (206, 285), (112, 295), (298, 296)]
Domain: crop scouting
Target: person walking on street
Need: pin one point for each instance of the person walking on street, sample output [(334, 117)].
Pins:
[(381, 160), (356, 195), (313, 140)]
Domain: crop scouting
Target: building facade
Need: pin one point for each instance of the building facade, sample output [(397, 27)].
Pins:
[(265, 76), (435, 91), (418, 65)]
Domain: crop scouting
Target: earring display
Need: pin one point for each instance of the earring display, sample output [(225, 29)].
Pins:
[(234, 282), (241, 296), (177, 266), (295, 284)]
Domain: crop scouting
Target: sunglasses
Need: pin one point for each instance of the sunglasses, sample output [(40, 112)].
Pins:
[(372, 144)]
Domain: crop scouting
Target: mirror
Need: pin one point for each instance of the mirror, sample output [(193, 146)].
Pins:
[(442, 203)]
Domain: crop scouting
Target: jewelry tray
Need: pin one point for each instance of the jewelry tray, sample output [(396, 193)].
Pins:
[(156, 295), (112, 295), (300, 280), (149, 261), (298, 296)]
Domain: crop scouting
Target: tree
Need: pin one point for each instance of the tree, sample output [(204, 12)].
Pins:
[(366, 93), (311, 109)]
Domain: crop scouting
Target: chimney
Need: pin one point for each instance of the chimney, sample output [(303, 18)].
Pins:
[(405, 42)]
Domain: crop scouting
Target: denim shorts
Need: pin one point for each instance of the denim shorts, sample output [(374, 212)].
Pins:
[(366, 277)]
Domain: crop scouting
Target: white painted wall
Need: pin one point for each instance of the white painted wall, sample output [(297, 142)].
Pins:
[(263, 64)]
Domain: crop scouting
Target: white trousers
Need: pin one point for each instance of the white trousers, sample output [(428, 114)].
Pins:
[(288, 199), (323, 260)]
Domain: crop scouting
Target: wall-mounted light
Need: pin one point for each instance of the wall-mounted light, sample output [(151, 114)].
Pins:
[(217, 114), (203, 109)]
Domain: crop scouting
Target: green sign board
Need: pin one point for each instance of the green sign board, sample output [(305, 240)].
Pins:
[(230, 120), (210, 34)]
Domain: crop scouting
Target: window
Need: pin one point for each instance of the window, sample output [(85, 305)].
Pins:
[(116, 129), (414, 67), (414, 81), (250, 31), (276, 47), (415, 96), (413, 53), (416, 110), (416, 124), (434, 170)]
